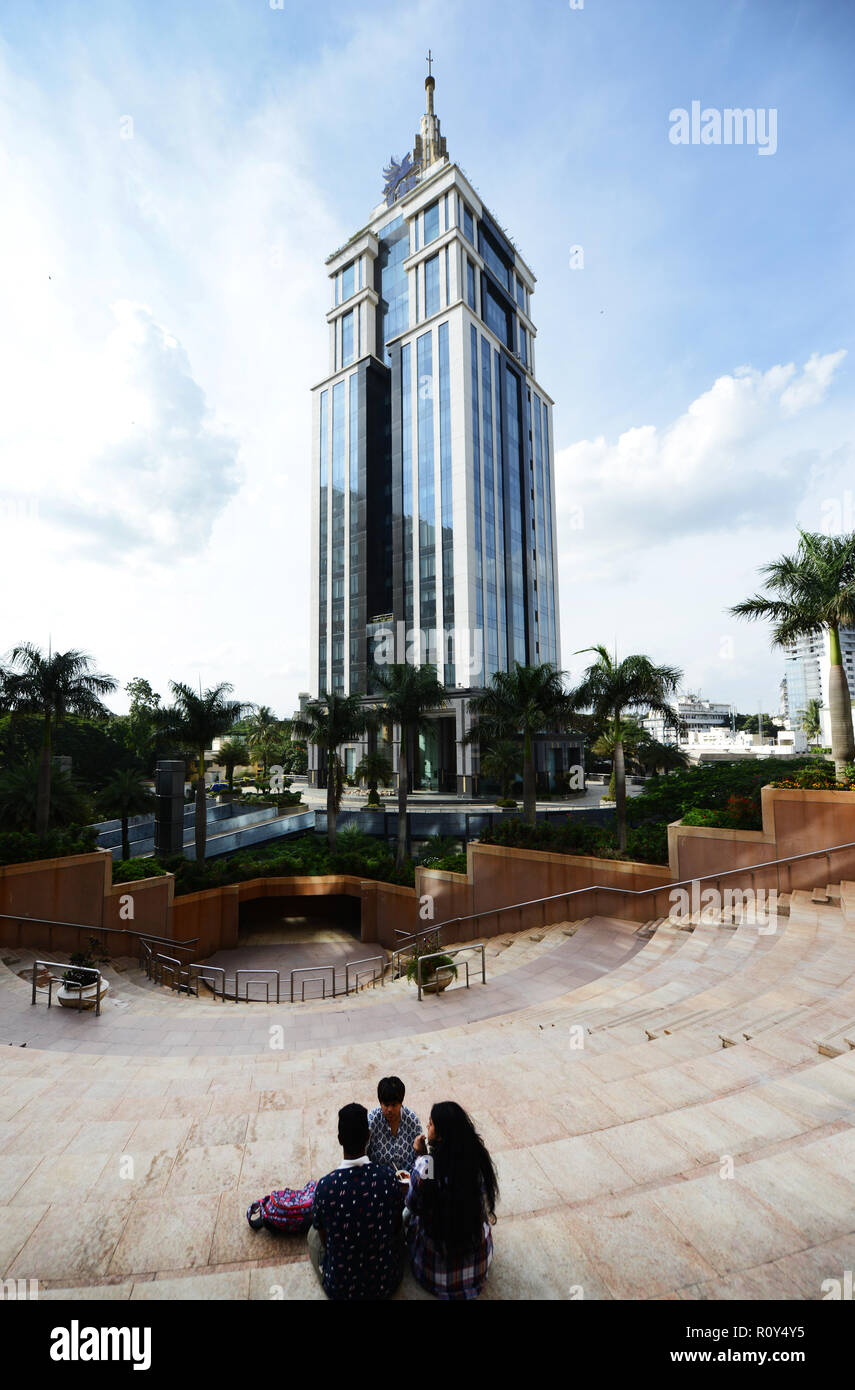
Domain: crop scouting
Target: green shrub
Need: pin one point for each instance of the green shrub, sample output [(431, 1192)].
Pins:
[(135, 870), (25, 847)]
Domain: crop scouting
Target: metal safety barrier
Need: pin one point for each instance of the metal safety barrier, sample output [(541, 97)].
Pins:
[(445, 956), (72, 985), (259, 977)]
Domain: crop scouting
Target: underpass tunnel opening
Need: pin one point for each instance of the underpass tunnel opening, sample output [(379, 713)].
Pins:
[(293, 917)]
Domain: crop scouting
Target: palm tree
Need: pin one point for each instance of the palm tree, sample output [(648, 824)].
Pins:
[(409, 693), (195, 720), (611, 689), (811, 721), (527, 701), (231, 755), (374, 768), (52, 686), (814, 592), (503, 764), (19, 798), (124, 796), (631, 736), (266, 736), (662, 757), (328, 723)]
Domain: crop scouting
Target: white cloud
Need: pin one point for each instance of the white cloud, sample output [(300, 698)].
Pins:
[(732, 459)]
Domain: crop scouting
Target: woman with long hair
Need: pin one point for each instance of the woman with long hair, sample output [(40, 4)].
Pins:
[(452, 1204)]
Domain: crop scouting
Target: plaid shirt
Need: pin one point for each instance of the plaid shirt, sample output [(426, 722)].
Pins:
[(464, 1276)]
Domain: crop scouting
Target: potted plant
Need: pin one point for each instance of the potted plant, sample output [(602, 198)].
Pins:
[(82, 963), (438, 973)]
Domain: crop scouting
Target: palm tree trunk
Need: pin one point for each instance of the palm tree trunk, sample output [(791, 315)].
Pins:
[(840, 708), (201, 818), (620, 794), (331, 791), (43, 793), (403, 837), (529, 783)]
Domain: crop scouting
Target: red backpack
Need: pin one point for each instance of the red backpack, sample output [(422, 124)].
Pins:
[(288, 1212)]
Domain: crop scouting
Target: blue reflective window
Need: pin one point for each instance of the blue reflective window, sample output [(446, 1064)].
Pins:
[(468, 225), (347, 345), (522, 296), (427, 499), (394, 285), (495, 259), (431, 286), (348, 282), (497, 318), (470, 284), (431, 223), (450, 676), (523, 346), (407, 477)]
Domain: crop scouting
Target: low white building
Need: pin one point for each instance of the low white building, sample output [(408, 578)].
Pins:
[(717, 745), (697, 715)]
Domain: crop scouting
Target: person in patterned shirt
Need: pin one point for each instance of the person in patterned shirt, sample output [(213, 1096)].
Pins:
[(451, 1204), (355, 1243), (394, 1128)]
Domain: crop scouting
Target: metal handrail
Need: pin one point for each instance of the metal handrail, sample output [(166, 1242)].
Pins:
[(305, 969), (174, 968), (206, 973), (369, 960), (752, 869), (443, 956), (93, 930), (69, 984), (266, 982)]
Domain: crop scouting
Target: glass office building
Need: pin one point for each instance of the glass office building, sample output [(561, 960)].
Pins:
[(433, 470)]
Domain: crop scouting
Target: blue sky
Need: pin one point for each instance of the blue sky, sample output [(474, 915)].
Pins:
[(155, 434)]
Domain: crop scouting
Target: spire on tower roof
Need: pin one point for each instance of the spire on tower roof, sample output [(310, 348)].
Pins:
[(431, 145)]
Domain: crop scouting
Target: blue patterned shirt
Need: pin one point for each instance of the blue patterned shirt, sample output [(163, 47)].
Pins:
[(358, 1208), (395, 1151)]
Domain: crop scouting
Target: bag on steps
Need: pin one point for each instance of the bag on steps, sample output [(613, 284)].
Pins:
[(288, 1212)]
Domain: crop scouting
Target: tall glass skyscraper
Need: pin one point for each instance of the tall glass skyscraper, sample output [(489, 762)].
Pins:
[(433, 478)]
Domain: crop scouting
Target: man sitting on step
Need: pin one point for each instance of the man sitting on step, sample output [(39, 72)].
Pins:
[(394, 1128), (356, 1242)]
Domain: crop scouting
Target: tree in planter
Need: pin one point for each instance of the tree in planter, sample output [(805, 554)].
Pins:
[(375, 769), (611, 689), (409, 693), (125, 796), (813, 592), (328, 723), (503, 763), (429, 946), (195, 721), (231, 755), (811, 721), (52, 686), (524, 702)]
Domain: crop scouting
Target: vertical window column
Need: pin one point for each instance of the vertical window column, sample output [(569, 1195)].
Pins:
[(427, 497), (323, 575), (450, 678), (338, 537)]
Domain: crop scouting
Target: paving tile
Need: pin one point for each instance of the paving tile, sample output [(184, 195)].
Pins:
[(72, 1241), (166, 1234), (636, 1250), (730, 1228)]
